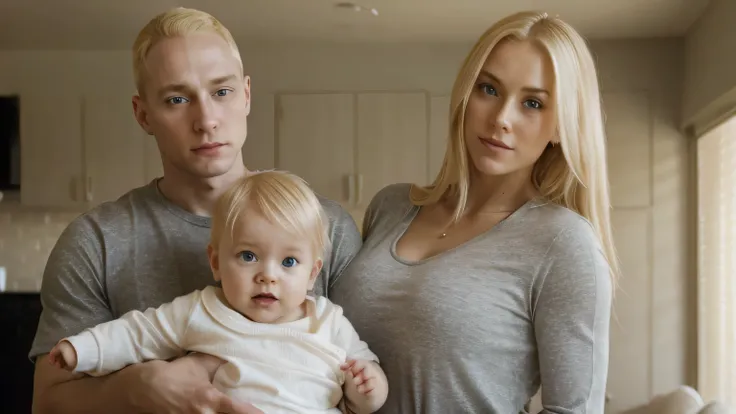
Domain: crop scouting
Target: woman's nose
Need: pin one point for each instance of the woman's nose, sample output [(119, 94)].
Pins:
[(501, 118)]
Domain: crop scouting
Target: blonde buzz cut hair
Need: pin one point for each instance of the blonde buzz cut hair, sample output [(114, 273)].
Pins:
[(282, 198), (176, 22)]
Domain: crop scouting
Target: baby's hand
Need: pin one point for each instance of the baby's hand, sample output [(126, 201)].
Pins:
[(366, 388), (63, 356), (364, 374)]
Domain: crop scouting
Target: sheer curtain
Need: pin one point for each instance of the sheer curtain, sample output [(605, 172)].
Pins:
[(717, 263)]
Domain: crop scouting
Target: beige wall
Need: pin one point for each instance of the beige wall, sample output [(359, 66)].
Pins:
[(642, 95), (710, 75)]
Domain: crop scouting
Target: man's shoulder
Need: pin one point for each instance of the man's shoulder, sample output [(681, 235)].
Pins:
[(341, 223), (333, 210), (112, 215)]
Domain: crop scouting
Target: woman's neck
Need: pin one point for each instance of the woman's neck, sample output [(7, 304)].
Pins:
[(499, 194)]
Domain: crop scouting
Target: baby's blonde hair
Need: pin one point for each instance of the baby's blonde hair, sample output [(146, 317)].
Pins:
[(176, 22), (574, 173), (283, 198)]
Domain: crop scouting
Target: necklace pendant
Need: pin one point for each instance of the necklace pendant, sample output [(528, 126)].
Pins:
[(442, 236)]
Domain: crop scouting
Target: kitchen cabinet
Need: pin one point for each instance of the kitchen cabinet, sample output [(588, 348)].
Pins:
[(79, 151), (51, 149), (350, 145)]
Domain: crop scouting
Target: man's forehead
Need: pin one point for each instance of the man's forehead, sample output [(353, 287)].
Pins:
[(197, 58)]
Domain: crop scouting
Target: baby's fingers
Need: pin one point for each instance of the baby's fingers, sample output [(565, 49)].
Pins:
[(367, 386)]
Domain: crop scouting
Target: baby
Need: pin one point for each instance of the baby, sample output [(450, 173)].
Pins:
[(284, 351)]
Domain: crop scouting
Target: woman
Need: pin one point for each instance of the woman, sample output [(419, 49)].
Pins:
[(498, 277)]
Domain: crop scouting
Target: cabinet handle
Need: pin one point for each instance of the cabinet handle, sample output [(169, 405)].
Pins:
[(359, 198), (89, 189)]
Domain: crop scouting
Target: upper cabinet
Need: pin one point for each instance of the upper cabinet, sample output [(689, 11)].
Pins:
[(114, 148), (79, 151), (350, 145), (51, 150)]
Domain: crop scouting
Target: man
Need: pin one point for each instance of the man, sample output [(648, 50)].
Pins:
[(149, 246)]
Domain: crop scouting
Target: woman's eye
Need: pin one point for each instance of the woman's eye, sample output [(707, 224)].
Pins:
[(488, 89), (248, 256), (289, 262), (531, 103)]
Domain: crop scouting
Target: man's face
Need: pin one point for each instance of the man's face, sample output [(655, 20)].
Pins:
[(195, 101)]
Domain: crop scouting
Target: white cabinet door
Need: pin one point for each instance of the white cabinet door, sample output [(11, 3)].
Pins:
[(115, 148), (51, 150), (315, 140), (392, 141)]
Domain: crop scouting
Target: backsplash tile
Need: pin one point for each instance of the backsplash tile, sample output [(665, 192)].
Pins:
[(26, 240)]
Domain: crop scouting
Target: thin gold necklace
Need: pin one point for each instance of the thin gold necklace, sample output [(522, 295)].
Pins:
[(447, 228)]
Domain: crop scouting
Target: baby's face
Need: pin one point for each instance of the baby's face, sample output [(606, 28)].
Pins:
[(265, 271)]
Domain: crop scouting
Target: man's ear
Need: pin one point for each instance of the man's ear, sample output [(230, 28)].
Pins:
[(246, 90), (214, 262), (141, 114), (315, 272)]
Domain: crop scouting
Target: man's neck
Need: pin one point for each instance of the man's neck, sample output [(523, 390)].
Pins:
[(499, 194), (196, 195)]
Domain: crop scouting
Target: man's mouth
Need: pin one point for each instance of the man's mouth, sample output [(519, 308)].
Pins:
[(209, 146)]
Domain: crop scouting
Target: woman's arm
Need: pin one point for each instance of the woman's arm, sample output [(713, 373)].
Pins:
[(571, 323)]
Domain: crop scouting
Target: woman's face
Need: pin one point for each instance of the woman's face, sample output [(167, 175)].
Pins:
[(510, 117)]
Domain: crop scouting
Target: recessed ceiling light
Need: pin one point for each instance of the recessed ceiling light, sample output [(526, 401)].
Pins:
[(356, 7)]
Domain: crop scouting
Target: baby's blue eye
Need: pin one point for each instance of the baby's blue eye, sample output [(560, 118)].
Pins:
[(289, 262), (248, 256)]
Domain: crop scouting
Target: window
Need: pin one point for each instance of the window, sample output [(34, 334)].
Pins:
[(717, 263)]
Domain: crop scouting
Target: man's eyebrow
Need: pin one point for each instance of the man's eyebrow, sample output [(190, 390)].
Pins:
[(180, 87), (530, 89), (223, 79)]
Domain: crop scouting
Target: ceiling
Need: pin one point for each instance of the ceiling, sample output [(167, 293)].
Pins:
[(113, 24)]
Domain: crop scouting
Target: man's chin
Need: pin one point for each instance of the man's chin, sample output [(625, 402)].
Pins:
[(212, 168)]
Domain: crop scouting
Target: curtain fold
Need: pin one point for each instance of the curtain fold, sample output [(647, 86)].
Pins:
[(717, 263)]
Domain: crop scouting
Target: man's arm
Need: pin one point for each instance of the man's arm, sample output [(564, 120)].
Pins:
[(176, 385), (74, 299)]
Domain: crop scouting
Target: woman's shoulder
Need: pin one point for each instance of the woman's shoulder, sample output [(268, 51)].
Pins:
[(551, 220), (392, 201), (391, 196)]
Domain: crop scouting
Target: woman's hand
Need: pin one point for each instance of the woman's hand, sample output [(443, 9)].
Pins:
[(183, 386)]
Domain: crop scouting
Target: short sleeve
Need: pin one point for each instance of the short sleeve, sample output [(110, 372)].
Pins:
[(72, 291), (345, 242), (571, 323)]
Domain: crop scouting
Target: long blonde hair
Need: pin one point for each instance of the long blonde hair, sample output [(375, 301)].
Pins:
[(574, 173)]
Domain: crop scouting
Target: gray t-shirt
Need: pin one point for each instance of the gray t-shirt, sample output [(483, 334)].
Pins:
[(477, 328), (141, 251)]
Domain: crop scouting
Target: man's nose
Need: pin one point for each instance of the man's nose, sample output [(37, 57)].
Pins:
[(206, 117)]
